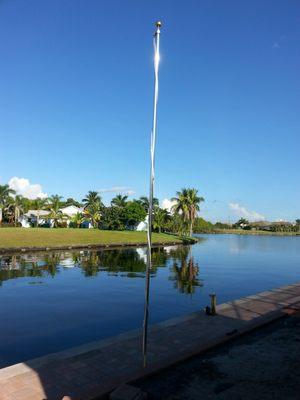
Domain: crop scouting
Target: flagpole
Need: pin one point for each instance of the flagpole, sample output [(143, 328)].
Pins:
[(151, 190)]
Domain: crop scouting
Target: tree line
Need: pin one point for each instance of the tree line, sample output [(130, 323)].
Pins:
[(120, 214)]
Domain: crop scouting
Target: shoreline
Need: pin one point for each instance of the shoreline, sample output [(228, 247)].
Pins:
[(246, 232), (100, 246), (97, 246), (20, 240)]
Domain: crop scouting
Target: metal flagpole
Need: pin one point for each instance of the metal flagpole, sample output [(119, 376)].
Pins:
[(150, 211)]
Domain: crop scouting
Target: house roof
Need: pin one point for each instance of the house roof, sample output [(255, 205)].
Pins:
[(261, 223), (35, 213), (71, 210), (279, 223)]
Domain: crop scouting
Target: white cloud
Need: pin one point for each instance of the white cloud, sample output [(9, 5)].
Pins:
[(168, 204), (241, 211), (118, 189), (23, 187)]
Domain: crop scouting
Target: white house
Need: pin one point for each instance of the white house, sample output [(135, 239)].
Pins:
[(143, 225), (71, 211), (30, 218)]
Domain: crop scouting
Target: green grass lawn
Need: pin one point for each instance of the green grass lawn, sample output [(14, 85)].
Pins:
[(50, 237)]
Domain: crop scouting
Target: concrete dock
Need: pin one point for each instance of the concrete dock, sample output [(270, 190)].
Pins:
[(94, 369)]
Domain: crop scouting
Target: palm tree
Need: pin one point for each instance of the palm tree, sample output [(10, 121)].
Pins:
[(187, 204), (92, 197), (119, 201), (92, 207), (5, 192), (55, 199), (161, 217), (39, 204), (72, 202), (78, 219), (16, 206), (55, 212), (93, 212), (145, 202)]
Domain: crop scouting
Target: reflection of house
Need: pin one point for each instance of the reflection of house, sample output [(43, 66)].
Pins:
[(142, 252), (67, 262), (169, 249), (30, 218)]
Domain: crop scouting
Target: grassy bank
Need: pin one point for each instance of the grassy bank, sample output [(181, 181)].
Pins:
[(246, 232), (45, 237)]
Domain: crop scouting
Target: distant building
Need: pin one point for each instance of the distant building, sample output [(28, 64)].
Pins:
[(270, 226), (260, 225)]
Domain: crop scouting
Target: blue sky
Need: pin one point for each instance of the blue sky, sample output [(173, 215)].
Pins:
[(76, 84)]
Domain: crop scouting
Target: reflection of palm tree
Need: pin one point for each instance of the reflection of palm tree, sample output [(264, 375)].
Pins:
[(19, 266), (52, 261), (76, 256), (185, 275), (124, 262), (115, 262), (159, 257), (90, 263), (180, 252)]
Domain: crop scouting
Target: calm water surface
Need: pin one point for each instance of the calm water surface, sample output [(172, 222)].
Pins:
[(56, 300)]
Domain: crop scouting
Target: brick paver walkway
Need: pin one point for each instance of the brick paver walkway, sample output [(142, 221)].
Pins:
[(96, 368)]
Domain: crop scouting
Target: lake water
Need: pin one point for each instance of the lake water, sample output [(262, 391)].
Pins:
[(56, 300)]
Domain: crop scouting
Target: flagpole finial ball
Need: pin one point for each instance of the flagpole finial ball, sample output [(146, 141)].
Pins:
[(158, 24)]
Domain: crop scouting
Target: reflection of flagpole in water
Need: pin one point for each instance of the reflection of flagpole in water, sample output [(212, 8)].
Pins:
[(150, 211)]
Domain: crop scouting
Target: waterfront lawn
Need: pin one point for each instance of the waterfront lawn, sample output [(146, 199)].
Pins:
[(50, 237)]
